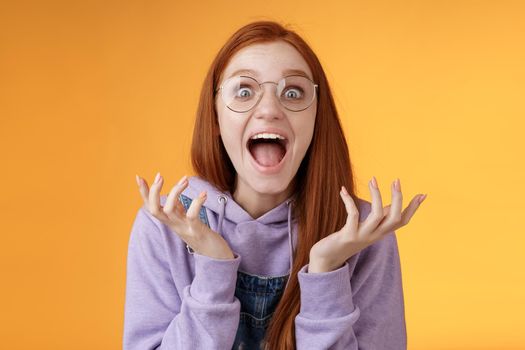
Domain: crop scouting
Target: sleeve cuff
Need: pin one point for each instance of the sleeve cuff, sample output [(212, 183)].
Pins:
[(327, 294), (215, 279)]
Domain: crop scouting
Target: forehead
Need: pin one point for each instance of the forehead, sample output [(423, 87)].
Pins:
[(267, 61)]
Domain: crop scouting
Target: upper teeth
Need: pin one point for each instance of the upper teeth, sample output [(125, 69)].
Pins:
[(267, 136)]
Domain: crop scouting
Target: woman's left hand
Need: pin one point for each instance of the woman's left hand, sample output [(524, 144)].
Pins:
[(331, 252)]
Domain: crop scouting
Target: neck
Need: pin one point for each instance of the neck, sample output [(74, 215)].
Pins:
[(255, 203)]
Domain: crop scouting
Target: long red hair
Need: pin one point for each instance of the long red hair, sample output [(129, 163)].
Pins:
[(318, 208)]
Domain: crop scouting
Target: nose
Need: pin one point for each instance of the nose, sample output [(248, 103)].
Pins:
[(269, 105)]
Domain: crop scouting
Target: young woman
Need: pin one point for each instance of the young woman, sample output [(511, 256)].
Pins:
[(268, 245)]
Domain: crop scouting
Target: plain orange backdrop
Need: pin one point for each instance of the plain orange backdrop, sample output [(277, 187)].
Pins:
[(94, 92)]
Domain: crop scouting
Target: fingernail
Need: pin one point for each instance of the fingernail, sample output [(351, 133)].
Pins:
[(202, 194), (157, 178), (374, 182), (422, 198), (345, 191), (138, 180), (397, 185), (182, 180)]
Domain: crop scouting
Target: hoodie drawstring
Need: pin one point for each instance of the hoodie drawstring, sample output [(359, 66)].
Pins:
[(290, 243), (222, 201)]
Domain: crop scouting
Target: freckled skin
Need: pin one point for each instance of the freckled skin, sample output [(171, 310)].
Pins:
[(258, 193)]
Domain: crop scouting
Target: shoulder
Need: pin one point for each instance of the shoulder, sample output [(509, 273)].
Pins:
[(385, 250), (146, 226), (144, 218), (365, 207)]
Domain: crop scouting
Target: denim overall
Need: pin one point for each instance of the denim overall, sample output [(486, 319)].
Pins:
[(259, 296)]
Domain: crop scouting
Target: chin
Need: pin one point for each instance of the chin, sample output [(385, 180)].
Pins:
[(270, 185)]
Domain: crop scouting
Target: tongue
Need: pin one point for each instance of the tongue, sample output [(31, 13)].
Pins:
[(267, 154)]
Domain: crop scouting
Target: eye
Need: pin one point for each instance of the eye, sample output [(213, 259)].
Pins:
[(293, 93), (244, 92)]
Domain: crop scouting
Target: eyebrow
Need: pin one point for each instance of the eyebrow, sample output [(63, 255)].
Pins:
[(285, 72)]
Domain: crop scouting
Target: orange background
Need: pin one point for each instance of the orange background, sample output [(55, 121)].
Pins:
[(94, 92)]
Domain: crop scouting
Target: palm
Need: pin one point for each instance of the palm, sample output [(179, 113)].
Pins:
[(332, 251), (186, 224)]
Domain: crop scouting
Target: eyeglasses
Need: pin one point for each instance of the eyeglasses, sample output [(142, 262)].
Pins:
[(241, 93)]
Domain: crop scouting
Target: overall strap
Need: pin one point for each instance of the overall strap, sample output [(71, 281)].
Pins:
[(186, 201)]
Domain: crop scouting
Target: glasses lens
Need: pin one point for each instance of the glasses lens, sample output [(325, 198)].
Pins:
[(240, 93), (296, 92)]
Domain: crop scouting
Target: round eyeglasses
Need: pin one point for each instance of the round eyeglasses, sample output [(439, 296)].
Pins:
[(241, 93)]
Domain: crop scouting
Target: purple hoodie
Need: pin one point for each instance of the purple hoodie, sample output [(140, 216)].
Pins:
[(176, 300)]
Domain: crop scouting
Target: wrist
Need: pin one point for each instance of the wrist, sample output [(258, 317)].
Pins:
[(321, 265), (224, 252), (223, 255), (215, 250), (214, 280)]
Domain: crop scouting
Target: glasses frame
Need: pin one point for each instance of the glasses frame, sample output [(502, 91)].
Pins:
[(314, 95)]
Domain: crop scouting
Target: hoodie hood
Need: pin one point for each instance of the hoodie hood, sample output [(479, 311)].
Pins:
[(266, 243)]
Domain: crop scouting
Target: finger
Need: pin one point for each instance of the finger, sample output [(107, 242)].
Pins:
[(376, 211), (386, 210), (195, 206), (393, 219), (143, 188), (352, 219), (410, 210), (173, 207), (154, 198)]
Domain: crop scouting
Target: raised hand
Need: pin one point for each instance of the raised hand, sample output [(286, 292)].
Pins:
[(186, 225), (331, 252)]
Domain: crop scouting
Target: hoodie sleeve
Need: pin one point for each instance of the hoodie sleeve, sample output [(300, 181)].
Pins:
[(203, 315), (363, 311)]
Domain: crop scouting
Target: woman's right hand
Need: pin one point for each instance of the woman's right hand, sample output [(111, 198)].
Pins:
[(186, 225)]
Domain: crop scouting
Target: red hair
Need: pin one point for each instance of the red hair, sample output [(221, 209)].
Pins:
[(325, 168)]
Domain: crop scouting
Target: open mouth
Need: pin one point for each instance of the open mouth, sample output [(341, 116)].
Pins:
[(267, 152)]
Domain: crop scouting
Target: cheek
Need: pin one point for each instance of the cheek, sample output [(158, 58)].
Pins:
[(227, 137), (231, 134), (304, 131)]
